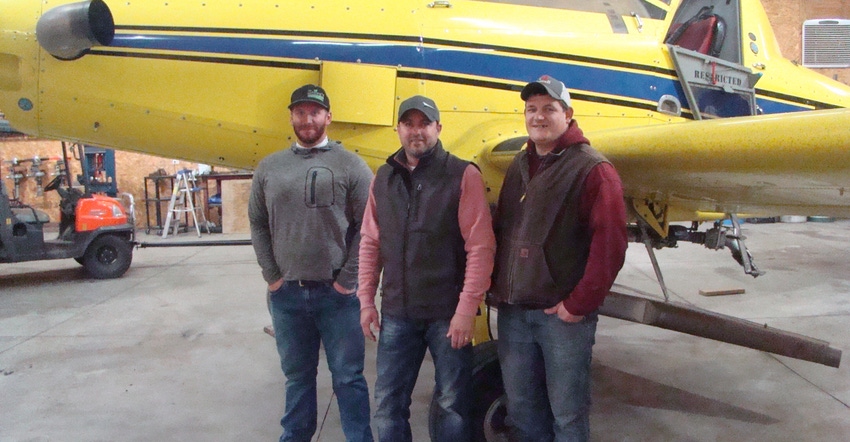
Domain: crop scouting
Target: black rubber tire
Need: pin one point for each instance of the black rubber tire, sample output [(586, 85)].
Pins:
[(108, 256), (488, 403), (81, 260)]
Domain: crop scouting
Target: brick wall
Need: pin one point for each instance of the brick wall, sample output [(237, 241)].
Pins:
[(787, 17)]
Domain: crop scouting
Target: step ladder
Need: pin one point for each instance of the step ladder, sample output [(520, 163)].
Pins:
[(183, 203)]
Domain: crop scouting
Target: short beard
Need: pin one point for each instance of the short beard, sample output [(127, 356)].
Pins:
[(423, 153), (311, 140)]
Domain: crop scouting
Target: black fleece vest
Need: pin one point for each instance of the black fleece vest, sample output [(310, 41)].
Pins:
[(422, 249), (541, 245)]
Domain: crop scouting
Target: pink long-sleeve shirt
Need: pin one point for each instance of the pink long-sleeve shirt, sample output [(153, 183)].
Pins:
[(476, 227)]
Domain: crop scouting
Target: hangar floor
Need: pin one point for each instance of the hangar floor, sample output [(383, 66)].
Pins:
[(175, 349)]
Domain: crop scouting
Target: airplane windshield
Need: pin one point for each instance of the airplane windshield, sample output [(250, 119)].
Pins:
[(645, 8)]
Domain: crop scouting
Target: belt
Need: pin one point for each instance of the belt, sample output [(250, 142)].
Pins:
[(308, 283)]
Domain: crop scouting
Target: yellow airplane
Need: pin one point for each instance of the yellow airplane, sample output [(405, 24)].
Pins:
[(690, 99)]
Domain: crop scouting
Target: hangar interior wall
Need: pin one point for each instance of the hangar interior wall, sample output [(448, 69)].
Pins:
[(787, 17)]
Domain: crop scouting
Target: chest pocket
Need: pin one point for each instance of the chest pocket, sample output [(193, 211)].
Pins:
[(319, 188)]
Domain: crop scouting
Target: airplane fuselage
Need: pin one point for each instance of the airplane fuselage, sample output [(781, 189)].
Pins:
[(210, 81)]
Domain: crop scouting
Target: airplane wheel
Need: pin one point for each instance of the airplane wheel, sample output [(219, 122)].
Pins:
[(108, 256), (488, 402)]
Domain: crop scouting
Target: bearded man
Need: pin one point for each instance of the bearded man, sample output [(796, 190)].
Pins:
[(305, 211)]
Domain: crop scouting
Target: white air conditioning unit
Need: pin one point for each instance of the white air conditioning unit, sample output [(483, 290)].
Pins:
[(826, 43)]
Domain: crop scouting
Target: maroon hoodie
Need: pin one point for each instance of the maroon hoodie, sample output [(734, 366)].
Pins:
[(603, 211)]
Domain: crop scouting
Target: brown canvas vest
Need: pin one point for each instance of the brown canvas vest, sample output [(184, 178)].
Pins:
[(541, 245)]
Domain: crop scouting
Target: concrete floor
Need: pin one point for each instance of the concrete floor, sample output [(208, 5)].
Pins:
[(175, 351)]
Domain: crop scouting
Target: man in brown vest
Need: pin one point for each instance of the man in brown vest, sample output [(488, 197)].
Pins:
[(561, 240)]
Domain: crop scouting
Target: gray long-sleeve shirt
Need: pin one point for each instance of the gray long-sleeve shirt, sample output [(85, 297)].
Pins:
[(305, 211)]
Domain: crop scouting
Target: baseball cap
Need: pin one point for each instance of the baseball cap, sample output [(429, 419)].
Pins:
[(310, 92), (422, 104), (547, 85)]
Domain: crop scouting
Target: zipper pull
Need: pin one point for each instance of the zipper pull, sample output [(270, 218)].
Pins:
[(522, 198)]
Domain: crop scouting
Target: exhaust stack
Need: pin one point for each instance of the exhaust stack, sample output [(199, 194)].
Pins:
[(68, 32)]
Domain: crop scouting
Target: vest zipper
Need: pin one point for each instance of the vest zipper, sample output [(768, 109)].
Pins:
[(412, 215), (416, 201)]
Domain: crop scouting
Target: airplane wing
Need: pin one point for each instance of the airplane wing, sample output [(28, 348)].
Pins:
[(768, 165), (779, 164)]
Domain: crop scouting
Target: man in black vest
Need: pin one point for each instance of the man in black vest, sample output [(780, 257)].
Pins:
[(561, 235), (428, 226)]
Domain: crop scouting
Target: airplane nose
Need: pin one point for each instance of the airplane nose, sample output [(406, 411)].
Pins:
[(67, 32)]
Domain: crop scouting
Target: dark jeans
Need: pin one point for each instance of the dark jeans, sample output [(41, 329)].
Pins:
[(303, 317), (546, 370), (401, 348)]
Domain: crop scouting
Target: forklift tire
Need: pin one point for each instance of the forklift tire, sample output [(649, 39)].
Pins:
[(108, 256), (488, 400)]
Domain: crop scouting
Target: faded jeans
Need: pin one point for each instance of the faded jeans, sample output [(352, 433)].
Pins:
[(546, 371), (401, 349), (304, 316)]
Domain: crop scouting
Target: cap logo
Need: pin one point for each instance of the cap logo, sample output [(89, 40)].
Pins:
[(315, 95), (421, 104)]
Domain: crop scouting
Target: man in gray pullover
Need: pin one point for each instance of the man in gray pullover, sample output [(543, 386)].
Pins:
[(305, 210)]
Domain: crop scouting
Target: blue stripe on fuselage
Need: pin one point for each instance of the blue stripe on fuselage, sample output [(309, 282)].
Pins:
[(480, 62), (450, 60), (776, 107)]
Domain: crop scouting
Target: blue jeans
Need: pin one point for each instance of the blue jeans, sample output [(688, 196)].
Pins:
[(546, 371), (303, 316), (401, 348)]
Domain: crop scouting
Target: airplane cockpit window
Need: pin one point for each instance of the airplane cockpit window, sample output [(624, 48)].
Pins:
[(711, 27), (643, 8), (704, 40)]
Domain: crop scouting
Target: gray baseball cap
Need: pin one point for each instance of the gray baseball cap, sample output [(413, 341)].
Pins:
[(422, 104), (547, 85)]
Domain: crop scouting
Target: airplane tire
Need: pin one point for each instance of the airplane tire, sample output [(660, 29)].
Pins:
[(107, 257), (488, 401)]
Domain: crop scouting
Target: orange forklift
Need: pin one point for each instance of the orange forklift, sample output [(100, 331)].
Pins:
[(95, 230)]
